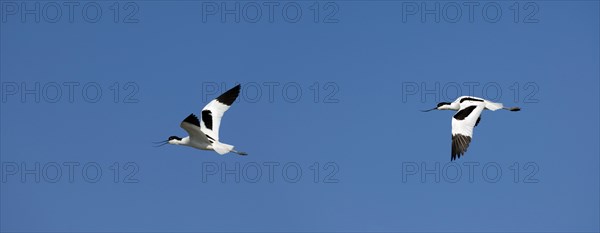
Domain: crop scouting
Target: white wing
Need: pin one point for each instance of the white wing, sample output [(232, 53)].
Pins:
[(489, 105), (213, 112), (191, 124), (463, 123)]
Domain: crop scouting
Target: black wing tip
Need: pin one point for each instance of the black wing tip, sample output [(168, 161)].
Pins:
[(230, 96), (460, 144), (192, 119), (236, 88), (515, 109)]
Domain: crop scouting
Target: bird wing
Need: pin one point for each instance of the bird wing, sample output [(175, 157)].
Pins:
[(463, 123), (492, 105), (489, 105), (214, 110), (191, 124), (469, 98)]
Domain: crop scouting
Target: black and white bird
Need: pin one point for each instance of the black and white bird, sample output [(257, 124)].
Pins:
[(204, 135), (468, 116)]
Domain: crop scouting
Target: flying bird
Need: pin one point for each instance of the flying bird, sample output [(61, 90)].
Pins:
[(204, 135), (468, 116)]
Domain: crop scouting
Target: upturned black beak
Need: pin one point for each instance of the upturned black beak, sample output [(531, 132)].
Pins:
[(429, 110), (161, 143)]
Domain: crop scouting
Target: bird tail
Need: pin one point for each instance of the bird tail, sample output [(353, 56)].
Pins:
[(222, 148)]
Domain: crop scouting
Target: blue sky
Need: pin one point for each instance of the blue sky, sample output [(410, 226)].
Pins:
[(347, 90)]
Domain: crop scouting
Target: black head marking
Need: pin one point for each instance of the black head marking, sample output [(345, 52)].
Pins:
[(192, 119), (229, 96), (207, 119), (470, 99), (462, 114), (174, 137), (442, 104)]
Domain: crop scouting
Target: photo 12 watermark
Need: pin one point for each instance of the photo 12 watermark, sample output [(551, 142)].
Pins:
[(68, 172), (470, 11), (269, 172), (69, 92), (470, 172), (275, 91), (69, 12), (425, 92), (270, 12)]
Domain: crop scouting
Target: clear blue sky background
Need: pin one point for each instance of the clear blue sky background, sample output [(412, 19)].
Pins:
[(370, 54)]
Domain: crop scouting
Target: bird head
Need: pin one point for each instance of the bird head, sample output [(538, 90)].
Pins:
[(173, 140)]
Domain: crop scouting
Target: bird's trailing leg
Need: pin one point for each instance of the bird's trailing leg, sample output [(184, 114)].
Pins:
[(239, 152), (513, 109)]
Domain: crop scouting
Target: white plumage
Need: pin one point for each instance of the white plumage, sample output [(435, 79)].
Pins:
[(465, 119), (204, 134), (468, 115)]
